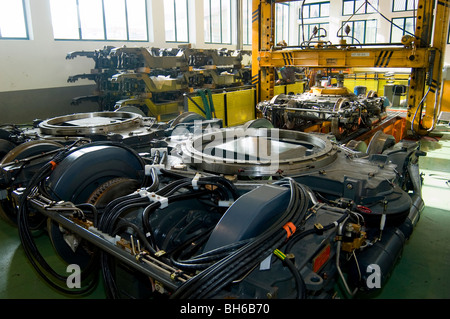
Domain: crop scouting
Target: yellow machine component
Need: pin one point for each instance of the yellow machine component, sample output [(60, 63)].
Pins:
[(354, 238), (423, 54), (234, 107), (297, 87), (375, 81), (445, 103), (329, 91)]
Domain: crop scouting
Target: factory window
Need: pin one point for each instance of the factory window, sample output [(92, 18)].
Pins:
[(123, 20), (247, 22), (13, 23), (176, 20), (400, 27), (308, 29), (361, 31), (404, 5), (350, 7), (315, 10), (217, 21), (282, 22)]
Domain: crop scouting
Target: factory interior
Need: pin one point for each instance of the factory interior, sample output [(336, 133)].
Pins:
[(226, 150)]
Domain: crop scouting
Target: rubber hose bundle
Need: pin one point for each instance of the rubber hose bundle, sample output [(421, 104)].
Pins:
[(112, 223), (54, 279), (213, 279)]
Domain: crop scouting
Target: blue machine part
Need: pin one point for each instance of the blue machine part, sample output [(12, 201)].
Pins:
[(83, 170), (249, 216)]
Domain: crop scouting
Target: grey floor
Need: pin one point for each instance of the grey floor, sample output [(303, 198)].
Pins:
[(422, 272), (423, 269)]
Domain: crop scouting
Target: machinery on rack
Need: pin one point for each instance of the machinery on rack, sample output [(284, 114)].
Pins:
[(422, 52), (329, 108), (248, 212), (154, 79)]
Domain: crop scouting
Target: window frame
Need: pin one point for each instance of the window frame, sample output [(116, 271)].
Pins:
[(365, 30), (175, 23), (210, 41), (403, 30), (366, 5), (247, 36), (283, 26), (406, 6), (309, 5), (318, 24), (127, 26), (25, 25)]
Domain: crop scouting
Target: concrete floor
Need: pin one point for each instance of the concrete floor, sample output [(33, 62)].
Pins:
[(422, 272)]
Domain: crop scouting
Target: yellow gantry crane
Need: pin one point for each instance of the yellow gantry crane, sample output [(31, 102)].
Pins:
[(423, 53)]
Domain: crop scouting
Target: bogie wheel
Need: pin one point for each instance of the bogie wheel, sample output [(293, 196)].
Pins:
[(70, 247)]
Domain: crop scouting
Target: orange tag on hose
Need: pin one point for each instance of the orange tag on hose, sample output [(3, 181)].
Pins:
[(290, 229), (53, 164)]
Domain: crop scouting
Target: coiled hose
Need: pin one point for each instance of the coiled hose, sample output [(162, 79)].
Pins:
[(213, 279), (53, 278), (112, 222)]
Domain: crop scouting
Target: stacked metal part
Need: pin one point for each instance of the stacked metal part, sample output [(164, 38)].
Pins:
[(145, 77)]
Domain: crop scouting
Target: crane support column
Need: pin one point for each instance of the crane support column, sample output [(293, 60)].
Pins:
[(263, 37)]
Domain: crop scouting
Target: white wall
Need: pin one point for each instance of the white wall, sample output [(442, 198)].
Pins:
[(40, 62)]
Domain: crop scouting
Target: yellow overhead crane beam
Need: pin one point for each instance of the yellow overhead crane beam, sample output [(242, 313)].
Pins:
[(423, 53)]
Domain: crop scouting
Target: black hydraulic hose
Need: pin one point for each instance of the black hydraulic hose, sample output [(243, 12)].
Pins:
[(217, 179), (206, 259), (123, 224), (300, 283), (54, 279), (119, 200), (107, 262), (110, 211), (237, 268), (29, 245), (108, 225), (172, 174), (214, 278), (166, 189), (222, 188), (299, 236), (108, 278), (211, 254), (93, 210), (124, 200), (247, 264), (148, 229)]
